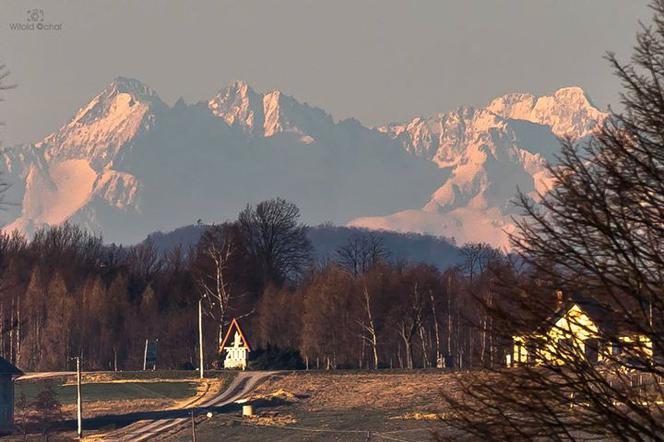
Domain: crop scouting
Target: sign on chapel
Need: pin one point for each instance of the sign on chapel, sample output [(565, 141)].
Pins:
[(237, 350)]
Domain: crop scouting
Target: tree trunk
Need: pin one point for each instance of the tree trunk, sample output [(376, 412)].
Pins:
[(409, 355), (450, 323), (482, 340), (361, 358), (489, 329), (458, 339), (470, 346), (18, 330), (426, 362), (12, 354), (2, 330), (370, 327), (491, 349), (407, 342), (435, 329)]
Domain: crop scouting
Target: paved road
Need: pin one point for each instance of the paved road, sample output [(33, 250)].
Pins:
[(243, 384)]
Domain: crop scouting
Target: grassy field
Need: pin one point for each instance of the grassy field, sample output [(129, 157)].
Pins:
[(348, 425), (119, 386), (297, 406), (336, 406), (108, 396), (111, 391)]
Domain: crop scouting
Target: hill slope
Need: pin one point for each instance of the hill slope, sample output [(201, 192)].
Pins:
[(326, 239)]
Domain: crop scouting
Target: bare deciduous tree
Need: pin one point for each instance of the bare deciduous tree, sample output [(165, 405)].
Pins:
[(361, 252), (476, 258), (368, 325), (276, 240), (216, 251), (599, 230)]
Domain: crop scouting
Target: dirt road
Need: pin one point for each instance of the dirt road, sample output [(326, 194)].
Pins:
[(241, 386), (45, 375)]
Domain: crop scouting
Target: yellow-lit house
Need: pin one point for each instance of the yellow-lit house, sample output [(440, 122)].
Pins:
[(580, 327)]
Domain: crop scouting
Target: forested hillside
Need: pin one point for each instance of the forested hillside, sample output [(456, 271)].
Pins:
[(327, 238), (65, 293)]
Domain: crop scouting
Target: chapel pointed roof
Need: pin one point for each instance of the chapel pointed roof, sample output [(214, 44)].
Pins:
[(234, 326)]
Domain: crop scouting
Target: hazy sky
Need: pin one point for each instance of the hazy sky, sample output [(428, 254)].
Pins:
[(378, 61)]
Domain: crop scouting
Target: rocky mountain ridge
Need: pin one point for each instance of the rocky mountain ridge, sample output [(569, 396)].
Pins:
[(128, 164)]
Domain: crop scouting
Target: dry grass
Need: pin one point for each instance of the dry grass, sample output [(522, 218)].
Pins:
[(386, 391), (101, 408), (349, 406), (264, 394), (417, 416), (272, 419), (206, 387)]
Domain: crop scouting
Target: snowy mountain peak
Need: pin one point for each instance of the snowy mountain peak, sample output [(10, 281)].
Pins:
[(488, 153), (568, 111), (131, 86), (118, 97), (439, 138), (283, 113), (100, 129), (128, 165), (573, 94), (111, 165), (267, 114), (238, 104), (77, 162)]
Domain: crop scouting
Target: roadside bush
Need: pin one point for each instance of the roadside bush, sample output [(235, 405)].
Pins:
[(275, 358), (187, 365)]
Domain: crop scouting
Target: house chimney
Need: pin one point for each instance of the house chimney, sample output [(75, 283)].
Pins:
[(560, 299)]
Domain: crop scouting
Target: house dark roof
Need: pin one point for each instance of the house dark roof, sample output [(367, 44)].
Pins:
[(7, 368), (603, 315)]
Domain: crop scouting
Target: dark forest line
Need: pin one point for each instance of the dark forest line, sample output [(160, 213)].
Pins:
[(354, 303), (325, 239)]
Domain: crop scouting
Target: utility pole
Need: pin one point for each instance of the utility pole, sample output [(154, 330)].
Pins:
[(145, 356), (79, 412), (193, 426), (200, 335)]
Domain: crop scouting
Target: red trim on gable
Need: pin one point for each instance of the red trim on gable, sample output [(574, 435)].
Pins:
[(235, 324)]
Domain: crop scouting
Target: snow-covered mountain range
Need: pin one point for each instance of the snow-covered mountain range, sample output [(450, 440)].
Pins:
[(128, 164), (490, 152)]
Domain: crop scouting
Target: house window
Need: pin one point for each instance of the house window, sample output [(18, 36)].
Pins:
[(519, 352)]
